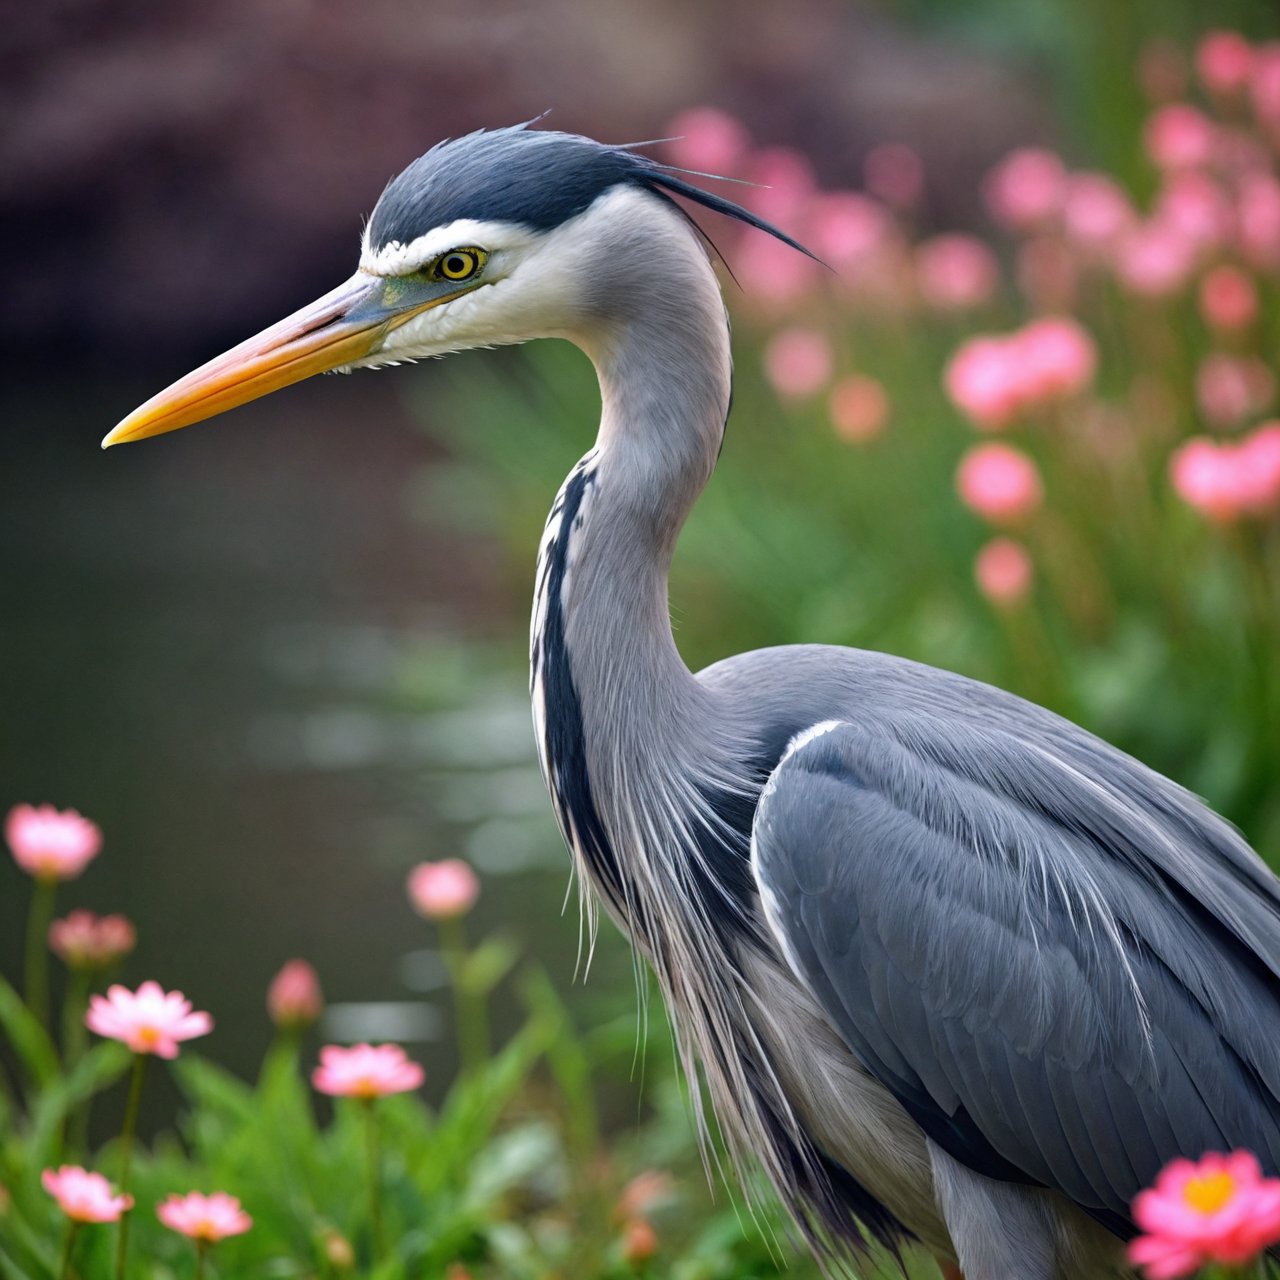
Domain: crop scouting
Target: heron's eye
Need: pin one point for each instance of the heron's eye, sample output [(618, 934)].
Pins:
[(459, 264)]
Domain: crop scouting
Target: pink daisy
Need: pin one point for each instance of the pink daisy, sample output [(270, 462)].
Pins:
[(365, 1071), (1217, 1209), (51, 844), (84, 1196), (207, 1219), (149, 1020)]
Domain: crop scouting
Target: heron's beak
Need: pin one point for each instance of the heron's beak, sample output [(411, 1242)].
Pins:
[(345, 325)]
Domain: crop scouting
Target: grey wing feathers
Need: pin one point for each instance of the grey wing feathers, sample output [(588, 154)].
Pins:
[(1062, 965)]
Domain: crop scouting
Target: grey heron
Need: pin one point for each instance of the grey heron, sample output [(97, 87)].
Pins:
[(954, 970)]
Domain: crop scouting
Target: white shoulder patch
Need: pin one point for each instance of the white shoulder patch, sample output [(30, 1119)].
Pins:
[(806, 736)]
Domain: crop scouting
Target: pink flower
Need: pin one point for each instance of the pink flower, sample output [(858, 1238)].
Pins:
[(1096, 211), (149, 1020), (1197, 208), (1230, 388), (645, 1192), (1224, 62), (443, 890), (1058, 359), (983, 380), (707, 140), (1258, 220), (1265, 86), (204, 1218), (773, 273), (1155, 260), (365, 1071), (1026, 188), (1259, 455), (51, 844), (859, 408), (846, 229), (294, 999), (1225, 481), (86, 941), (84, 1196), (1218, 1209), (894, 173), (1204, 476), (1228, 299), (1003, 571), (1000, 483), (639, 1241), (1177, 136), (956, 272), (785, 185), (798, 362)]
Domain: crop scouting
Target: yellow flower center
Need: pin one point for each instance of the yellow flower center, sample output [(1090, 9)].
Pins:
[(148, 1038), (1209, 1192)]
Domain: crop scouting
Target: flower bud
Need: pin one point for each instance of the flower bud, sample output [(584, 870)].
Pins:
[(294, 999), (338, 1250), (443, 890), (639, 1241)]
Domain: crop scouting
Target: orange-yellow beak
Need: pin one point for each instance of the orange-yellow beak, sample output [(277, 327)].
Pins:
[(345, 325)]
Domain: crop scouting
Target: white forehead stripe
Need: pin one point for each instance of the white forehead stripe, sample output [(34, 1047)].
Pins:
[(396, 259)]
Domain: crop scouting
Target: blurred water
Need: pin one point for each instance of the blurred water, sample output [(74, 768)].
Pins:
[(275, 692)]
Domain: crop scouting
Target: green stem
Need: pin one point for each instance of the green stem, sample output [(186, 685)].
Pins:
[(75, 1035), (75, 1040), (202, 1249), (375, 1189), (469, 1006), (64, 1272), (37, 966), (126, 1153)]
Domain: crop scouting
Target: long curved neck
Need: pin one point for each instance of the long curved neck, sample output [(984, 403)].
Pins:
[(627, 734), (665, 382)]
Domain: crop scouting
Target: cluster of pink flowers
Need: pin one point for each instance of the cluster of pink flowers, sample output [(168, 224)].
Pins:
[(51, 846), (1209, 234), (87, 1197), (1217, 195), (86, 941), (1217, 1209), (996, 379), (1226, 480)]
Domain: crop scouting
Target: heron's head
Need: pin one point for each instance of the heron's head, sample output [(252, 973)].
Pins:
[(493, 238)]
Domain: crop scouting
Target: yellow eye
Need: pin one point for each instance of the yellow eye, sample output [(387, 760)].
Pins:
[(460, 264)]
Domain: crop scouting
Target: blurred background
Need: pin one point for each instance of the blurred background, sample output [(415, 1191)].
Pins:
[(280, 658)]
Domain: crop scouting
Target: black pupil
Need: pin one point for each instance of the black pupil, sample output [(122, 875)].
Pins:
[(457, 265)]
